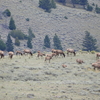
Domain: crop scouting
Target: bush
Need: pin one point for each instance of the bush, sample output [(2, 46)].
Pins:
[(7, 13), (89, 8), (65, 17), (93, 52), (18, 34)]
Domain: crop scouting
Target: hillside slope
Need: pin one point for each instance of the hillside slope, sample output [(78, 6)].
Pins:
[(70, 31)]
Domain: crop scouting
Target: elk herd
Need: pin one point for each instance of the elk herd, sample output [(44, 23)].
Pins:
[(54, 53)]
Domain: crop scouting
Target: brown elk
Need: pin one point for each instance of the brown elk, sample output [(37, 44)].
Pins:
[(26, 51), (48, 58), (19, 53), (40, 54), (97, 55), (58, 52), (1, 54), (96, 65), (79, 61), (11, 54), (64, 66), (71, 51)]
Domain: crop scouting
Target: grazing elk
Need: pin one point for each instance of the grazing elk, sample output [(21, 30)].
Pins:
[(40, 54), (96, 65), (71, 51), (79, 61), (26, 51), (1, 54), (11, 54), (19, 53)]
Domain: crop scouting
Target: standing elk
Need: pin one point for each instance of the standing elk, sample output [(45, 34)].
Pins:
[(71, 51), (97, 55), (48, 58), (40, 54), (58, 52), (11, 54), (1, 54), (26, 51)]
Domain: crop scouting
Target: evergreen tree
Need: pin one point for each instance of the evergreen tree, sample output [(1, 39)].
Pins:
[(57, 42), (53, 4), (29, 44), (97, 9), (31, 35), (83, 2), (2, 45), (17, 42), (62, 1), (47, 41), (9, 44), (89, 43), (12, 24), (45, 4)]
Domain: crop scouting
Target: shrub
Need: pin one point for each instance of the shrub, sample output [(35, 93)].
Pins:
[(27, 19), (7, 13), (89, 8), (18, 34), (65, 17)]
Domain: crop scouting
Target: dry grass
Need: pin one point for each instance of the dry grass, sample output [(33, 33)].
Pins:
[(25, 77)]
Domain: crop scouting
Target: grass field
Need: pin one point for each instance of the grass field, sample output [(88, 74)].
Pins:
[(31, 78)]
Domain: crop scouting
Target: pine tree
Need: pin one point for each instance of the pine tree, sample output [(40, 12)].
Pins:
[(12, 24), (53, 4), (17, 42), (57, 42), (31, 35), (29, 44), (47, 41), (9, 44), (89, 43), (2, 45)]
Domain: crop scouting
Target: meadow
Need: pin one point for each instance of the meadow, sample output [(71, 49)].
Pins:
[(30, 78)]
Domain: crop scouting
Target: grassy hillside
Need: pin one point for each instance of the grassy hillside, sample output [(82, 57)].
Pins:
[(70, 31)]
